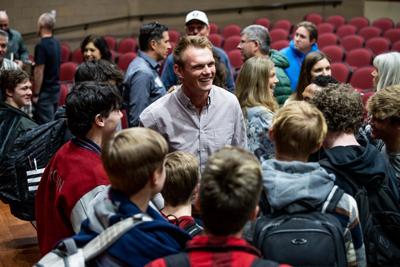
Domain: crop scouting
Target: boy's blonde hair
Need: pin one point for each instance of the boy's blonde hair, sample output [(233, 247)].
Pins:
[(132, 156), (182, 175), (299, 128)]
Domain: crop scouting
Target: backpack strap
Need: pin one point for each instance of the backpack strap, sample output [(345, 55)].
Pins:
[(332, 200), (180, 259), (263, 263), (111, 234), (193, 229)]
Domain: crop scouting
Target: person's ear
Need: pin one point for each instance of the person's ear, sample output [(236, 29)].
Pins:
[(9, 93), (178, 71), (99, 120), (271, 135), (153, 44), (254, 213)]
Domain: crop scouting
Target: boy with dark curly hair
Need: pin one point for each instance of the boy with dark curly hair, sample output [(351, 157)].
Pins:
[(343, 111)]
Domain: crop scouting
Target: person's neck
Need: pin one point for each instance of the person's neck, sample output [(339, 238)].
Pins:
[(237, 234), (142, 199), (392, 145), (286, 157), (45, 34), (334, 139), (198, 100), (152, 55), (12, 103), (95, 136), (178, 211)]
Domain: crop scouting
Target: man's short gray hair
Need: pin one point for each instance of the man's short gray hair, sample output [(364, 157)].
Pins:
[(47, 20), (259, 34), (4, 34)]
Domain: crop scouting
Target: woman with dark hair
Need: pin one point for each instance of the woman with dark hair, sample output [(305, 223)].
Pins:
[(315, 64), (94, 48)]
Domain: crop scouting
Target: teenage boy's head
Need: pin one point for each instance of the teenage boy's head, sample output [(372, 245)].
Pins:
[(298, 129), (229, 190), (342, 108), (93, 105), (384, 109), (182, 176), (134, 160)]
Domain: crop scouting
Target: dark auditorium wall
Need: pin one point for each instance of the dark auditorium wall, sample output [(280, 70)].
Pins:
[(23, 14)]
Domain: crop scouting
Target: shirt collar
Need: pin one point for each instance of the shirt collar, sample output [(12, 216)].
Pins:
[(186, 100), (88, 144), (154, 64)]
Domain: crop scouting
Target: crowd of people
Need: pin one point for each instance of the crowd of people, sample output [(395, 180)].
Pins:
[(231, 172)]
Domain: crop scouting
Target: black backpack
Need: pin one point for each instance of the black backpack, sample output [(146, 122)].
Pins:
[(379, 217), (182, 259), (311, 237), (22, 167)]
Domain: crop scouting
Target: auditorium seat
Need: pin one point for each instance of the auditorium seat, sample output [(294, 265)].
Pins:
[(378, 45), (346, 30), (77, 56), (216, 39), (231, 43), (125, 59), (278, 45), (314, 17), (335, 53), (279, 34), (263, 22), (370, 32), (351, 42), (383, 24), (325, 27), (341, 71), (336, 20), (111, 42), (126, 45), (359, 22), (284, 24), (327, 39), (362, 78), (67, 71), (231, 30), (393, 35), (359, 57)]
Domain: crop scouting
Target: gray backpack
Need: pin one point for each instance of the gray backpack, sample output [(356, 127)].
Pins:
[(68, 254)]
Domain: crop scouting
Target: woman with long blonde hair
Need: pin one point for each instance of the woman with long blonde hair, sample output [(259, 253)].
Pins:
[(254, 89)]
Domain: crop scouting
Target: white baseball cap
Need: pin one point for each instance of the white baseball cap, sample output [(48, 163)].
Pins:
[(197, 15)]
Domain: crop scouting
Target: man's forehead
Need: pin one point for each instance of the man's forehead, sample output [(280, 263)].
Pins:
[(195, 23)]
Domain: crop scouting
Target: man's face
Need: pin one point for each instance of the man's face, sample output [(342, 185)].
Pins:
[(197, 28), (22, 94), (248, 48), (198, 70), (162, 47), (375, 77), (382, 129), (302, 40), (4, 23), (3, 46)]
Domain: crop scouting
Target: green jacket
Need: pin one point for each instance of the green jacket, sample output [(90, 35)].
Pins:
[(282, 90)]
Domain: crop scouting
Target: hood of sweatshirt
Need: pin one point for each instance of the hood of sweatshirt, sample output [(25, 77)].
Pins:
[(289, 181)]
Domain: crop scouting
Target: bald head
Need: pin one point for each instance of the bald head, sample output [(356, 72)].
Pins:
[(3, 20)]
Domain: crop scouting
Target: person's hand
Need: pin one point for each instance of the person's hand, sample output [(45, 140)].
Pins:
[(19, 63)]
